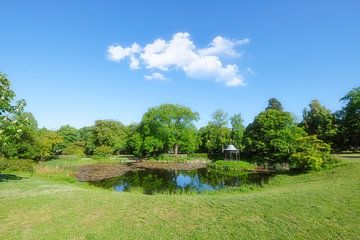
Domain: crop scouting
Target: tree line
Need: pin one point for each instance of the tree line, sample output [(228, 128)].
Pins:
[(273, 137)]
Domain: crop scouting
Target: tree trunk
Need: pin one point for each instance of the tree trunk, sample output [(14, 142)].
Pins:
[(176, 148)]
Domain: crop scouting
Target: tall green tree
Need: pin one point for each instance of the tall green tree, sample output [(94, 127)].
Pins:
[(271, 137), (69, 134), (47, 144), (219, 118), (274, 104), (349, 117), (318, 120), (216, 135), (110, 133), (86, 135), (10, 110), (169, 127), (237, 130)]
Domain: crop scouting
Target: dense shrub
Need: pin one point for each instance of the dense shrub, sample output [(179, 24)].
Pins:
[(76, 148), (16, 165), (103, 151), (222, 165), (311, 153)]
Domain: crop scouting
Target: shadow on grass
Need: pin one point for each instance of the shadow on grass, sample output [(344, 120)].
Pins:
[(9, 177)]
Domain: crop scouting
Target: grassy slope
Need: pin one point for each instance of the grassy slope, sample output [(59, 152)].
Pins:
[(318, 205)]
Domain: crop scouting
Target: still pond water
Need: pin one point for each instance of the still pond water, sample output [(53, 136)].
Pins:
[(151, 181)]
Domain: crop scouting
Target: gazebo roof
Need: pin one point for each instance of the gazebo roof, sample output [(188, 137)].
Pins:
[(231, 148)]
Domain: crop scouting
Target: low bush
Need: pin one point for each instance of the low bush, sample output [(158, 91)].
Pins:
[(311, 154), (21, 165), (103, 151), (74, 149), (222, 165)]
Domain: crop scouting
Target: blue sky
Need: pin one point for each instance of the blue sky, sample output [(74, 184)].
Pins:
[(56, 54)]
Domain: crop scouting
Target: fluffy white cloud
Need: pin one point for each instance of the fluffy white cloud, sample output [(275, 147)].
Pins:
[(117, 52), (181, 53), (223, 46), (156, 76)]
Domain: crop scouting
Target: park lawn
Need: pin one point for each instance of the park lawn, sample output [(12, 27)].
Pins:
[(316, 205)]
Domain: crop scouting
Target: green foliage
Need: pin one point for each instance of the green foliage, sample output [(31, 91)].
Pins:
[(86, 135), (349, 119), (198, 156), (271, 138), (220, 118), (216, 135), (310, 153), (237, 131), (47, 144), (103, 151), (10, 126), (168, 127), (274, 104), (320, 122), (225, 166), (110, 133), (152, 146), (69, 135), (134, 144), (20, 165), (75, 148)]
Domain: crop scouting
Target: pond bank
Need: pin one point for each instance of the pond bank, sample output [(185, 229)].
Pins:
[(99, 171)]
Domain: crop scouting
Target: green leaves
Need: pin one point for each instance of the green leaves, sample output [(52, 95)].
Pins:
[(271, 137), (317, 120), (169, 126), (310, 153)]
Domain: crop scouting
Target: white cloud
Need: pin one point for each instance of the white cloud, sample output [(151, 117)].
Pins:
[(181, 53), (156, 76), (117, 52), (223, 46)]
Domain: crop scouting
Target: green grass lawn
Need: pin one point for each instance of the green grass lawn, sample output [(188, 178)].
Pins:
[(316, 205)]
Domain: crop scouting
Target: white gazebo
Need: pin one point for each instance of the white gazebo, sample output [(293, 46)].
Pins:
[(231, 153)]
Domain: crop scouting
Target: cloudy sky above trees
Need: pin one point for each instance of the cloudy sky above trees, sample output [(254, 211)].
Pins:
[(75, 62)]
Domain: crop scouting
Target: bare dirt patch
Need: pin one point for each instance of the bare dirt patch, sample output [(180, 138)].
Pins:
[(99, 171), (96, 172)]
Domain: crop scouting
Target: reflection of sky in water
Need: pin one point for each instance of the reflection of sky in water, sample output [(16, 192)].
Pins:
[(162, 180), (120, 188), (184, 181)]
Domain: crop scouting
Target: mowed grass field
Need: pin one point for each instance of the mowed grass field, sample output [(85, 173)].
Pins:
[(315, 205)]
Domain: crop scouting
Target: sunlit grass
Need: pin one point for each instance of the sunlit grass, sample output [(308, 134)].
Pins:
[(316, 205)]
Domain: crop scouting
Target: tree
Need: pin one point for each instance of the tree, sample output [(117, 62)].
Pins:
[(10, 127), (168, 127), (134, 144), (69, 134), (47, 144), (270, 139), (86, 135), (110, 133), (349, 118), (219, 118), (237, 130), (318, 120), (216, 134), (275, 104)]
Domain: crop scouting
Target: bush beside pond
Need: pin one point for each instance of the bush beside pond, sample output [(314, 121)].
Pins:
[(222, 165), (20, 165)]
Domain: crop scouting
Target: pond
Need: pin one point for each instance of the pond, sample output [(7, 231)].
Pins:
[(151, 181)]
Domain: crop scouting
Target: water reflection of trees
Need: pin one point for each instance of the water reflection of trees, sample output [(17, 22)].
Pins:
[(165, 181), (221, 179)]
